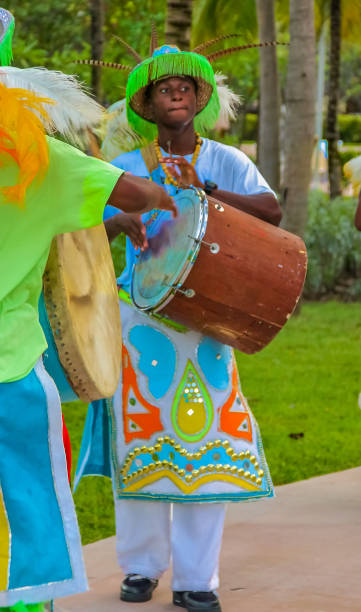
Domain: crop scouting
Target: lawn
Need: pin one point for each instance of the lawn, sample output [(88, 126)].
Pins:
[(303, 389)]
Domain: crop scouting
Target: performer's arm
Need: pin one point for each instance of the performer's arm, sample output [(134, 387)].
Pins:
[(357, 219), (133, 194), (262, 205)]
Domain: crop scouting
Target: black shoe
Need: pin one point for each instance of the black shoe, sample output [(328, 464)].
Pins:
[(137, 588), (197, 601)]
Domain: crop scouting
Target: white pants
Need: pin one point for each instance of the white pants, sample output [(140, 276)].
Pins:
[(147, 538)]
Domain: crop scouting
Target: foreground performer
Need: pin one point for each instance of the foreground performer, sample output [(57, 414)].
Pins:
[(46, 187), (182, 431)]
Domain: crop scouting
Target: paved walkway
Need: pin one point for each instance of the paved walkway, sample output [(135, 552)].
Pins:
[(300, 552)]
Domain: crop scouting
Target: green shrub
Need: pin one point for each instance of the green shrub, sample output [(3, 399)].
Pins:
[(243, 130), (350, 128), (348, 154), (228, 138), (250, 127), (333, 245)]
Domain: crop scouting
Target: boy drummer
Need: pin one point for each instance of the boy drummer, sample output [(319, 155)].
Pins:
[(163, 366)]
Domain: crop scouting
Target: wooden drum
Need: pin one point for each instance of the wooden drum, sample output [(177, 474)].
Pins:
[(222, 272), (81, 316)]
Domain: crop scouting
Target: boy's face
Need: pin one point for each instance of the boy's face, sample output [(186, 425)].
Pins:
[(173, 101)]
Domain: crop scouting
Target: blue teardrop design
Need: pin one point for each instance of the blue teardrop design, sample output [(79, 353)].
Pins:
[(157, 358), (213, 358)]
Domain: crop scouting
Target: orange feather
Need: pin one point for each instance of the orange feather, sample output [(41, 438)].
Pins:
[(22, 137)]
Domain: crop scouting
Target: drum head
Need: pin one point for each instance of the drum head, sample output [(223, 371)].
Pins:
[(161, 268), (81, 299)]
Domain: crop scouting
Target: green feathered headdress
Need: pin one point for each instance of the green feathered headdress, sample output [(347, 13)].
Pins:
[(7, 26), (166, 61), (170, 61)]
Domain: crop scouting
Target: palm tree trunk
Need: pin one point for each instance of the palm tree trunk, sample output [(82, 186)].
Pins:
[(96, 42), (269, 110), (178, 23), (321, 54), (300, 116), (334, 168)]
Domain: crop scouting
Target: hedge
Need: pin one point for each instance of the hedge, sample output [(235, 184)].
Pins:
[(334, 247), (349, 127)]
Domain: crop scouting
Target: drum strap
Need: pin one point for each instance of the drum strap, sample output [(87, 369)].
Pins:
[(150, 157)]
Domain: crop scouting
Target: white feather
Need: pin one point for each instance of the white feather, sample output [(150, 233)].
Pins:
[(229, 102), (116, 134), (74, 111)]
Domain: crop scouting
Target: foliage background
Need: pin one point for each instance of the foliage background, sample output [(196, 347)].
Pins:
[(55, 33)]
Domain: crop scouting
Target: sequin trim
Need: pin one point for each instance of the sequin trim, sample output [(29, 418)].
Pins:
[(215, 461)]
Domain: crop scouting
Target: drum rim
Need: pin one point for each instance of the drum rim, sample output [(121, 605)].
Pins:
[(189, 262)]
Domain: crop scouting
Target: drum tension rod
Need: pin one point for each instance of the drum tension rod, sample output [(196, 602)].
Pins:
[(189, 293), (213, 246)]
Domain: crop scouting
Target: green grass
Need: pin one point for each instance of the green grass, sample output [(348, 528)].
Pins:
[(306, 382)]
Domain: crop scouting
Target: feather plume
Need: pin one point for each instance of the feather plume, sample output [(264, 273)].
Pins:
[(230, 50), (228, 100), (22, 136), (130, 49), (92, 62), (71, 110), (209, 43), (116, 134), (153, 39)]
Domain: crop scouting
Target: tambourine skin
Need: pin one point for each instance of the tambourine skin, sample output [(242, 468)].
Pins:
[(80, 294), (244, 283)]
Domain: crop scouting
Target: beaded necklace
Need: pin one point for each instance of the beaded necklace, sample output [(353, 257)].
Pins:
[(170, 178)]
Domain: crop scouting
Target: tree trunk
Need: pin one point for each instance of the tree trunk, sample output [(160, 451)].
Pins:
[(321, 54), (178, 23), (268, 137), (334, 168), (96, 42), (300, 115)]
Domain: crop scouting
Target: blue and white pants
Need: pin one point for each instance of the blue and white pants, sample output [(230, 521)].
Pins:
[(40, 548)]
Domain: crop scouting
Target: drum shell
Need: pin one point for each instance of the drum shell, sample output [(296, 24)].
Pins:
[(246, 292)]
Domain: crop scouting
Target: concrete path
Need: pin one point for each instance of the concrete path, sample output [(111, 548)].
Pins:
[(299, 552)]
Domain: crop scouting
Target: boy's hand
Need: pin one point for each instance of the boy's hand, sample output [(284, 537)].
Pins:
[(181, 170)]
